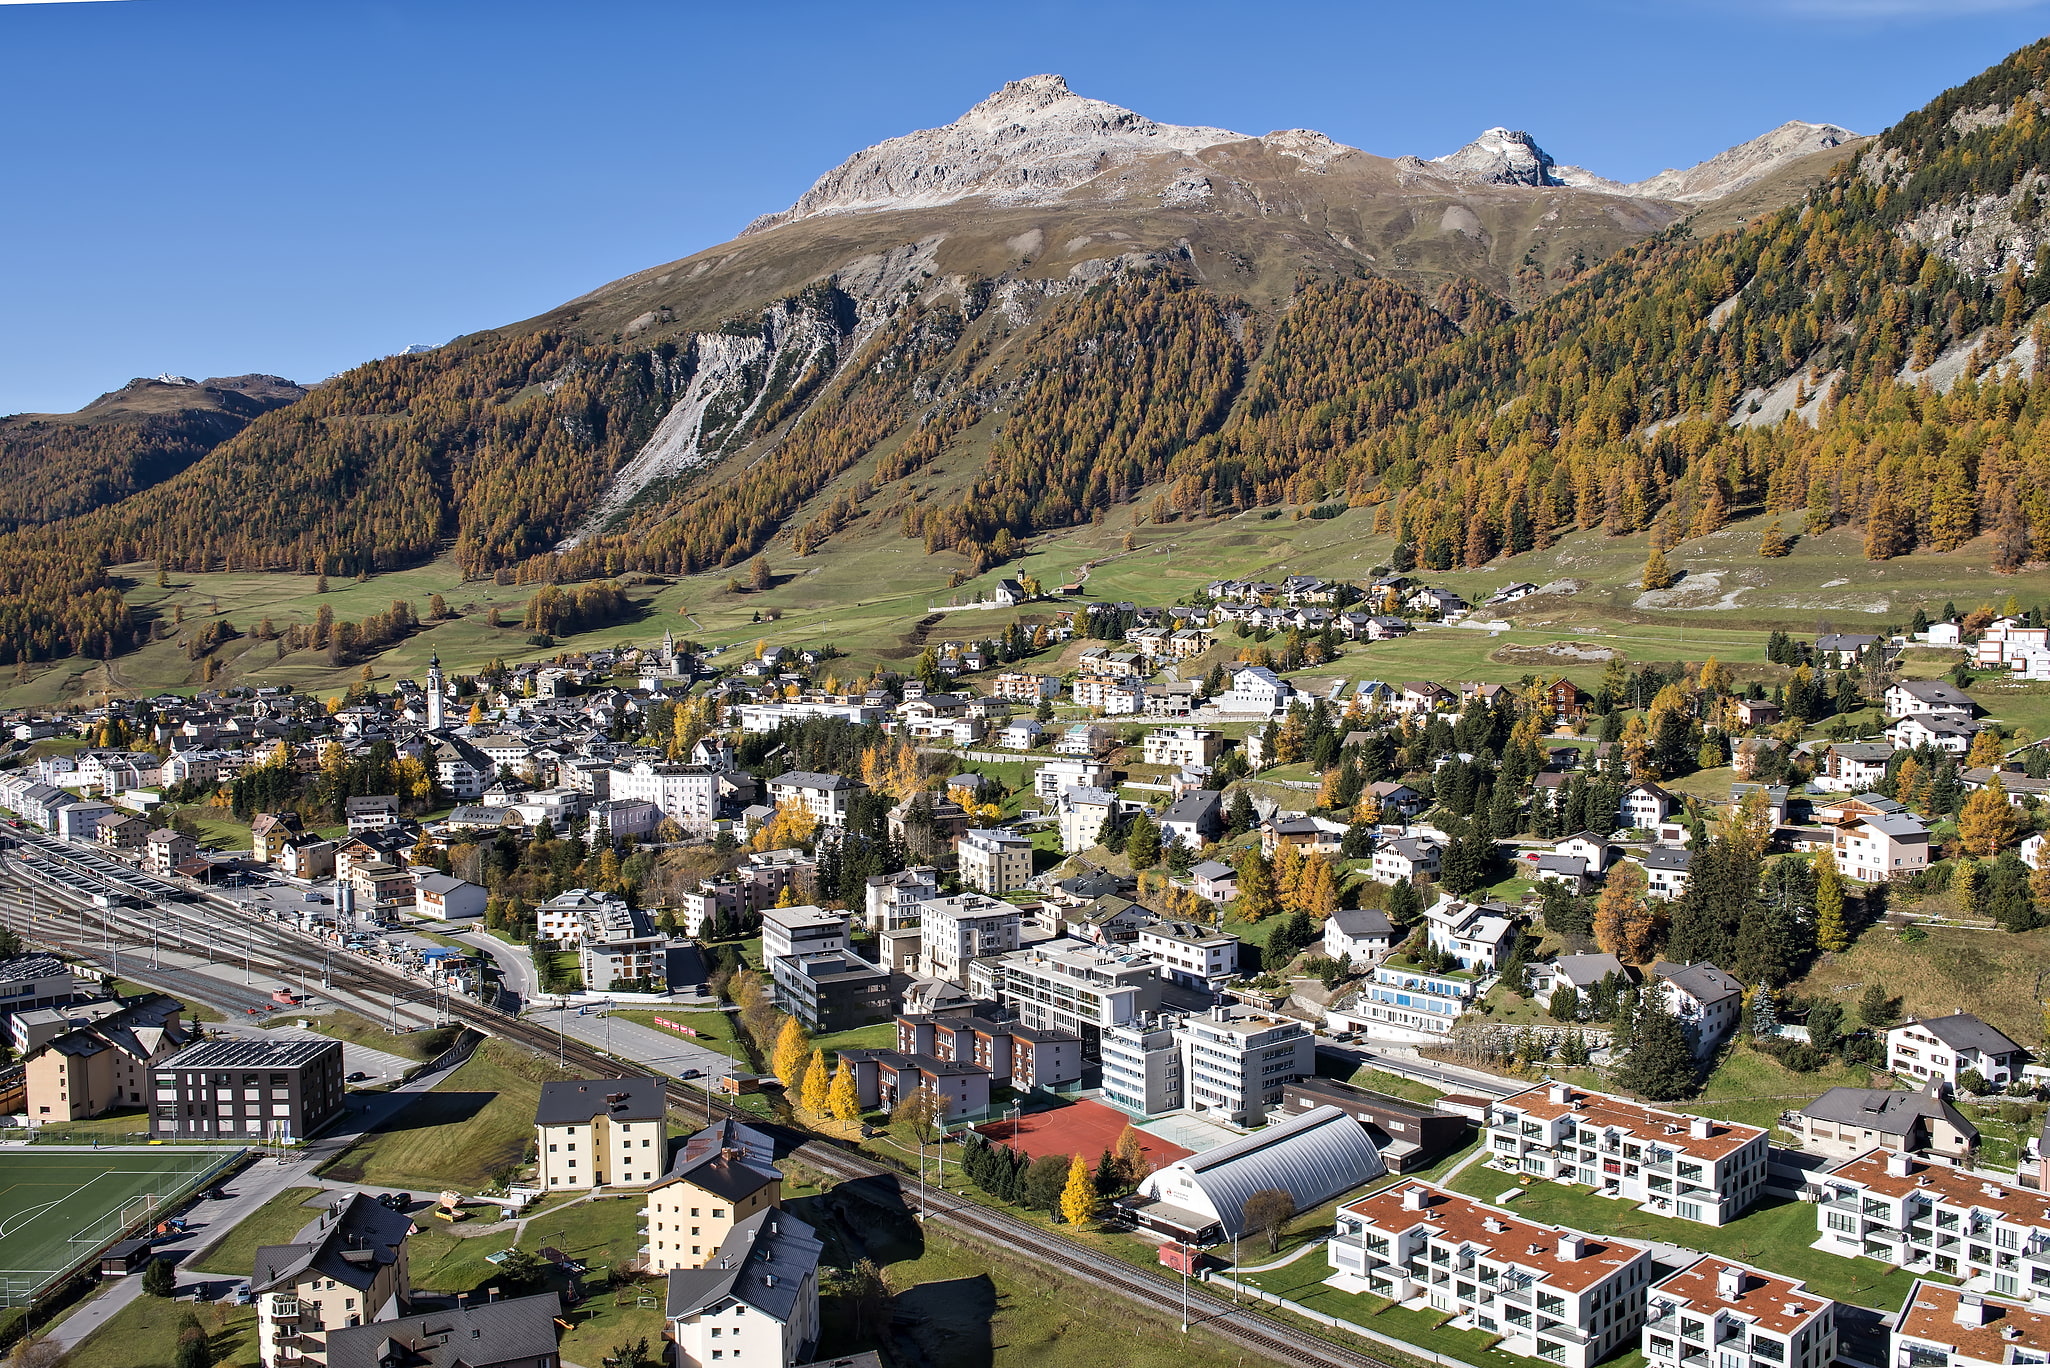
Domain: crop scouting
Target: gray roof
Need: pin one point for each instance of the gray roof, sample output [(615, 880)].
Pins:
[(1896, 824), (1665, 857), (1962, 1031), (252, 1054), (623, 1099), (1865, 752), (1584, 971), (813, 779), (1312, 1157), (30, 966), (727, 1159), (520, 1330), (1704, 982), (1935, 691), (1362, 921), (764, 1262), (1889, 1113), (349, 1241), (1212, 869)]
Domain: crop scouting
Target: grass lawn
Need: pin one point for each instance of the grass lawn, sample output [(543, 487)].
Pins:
[(1395, 1085), (1753, 1088), (144, 1334), (1302, 1282), (1774, 1235), (1992, 974), (960, 1305), (275, 1222), (881, 1036), (358, 1030), (476, 1122)]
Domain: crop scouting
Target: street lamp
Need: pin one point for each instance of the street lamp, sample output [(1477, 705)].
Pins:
[(1184, 1246)]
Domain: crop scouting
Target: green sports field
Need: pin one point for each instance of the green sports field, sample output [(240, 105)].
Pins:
[(55, 1206)]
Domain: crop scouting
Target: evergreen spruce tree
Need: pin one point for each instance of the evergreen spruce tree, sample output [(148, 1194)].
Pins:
[(1660, 1064)]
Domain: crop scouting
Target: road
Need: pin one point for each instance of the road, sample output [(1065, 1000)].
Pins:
[(517, 977), (1447, 1076), (646, 1046)]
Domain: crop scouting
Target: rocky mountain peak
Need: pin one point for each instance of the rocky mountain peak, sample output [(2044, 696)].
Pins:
[(1730, 171), (1035, 139), (1502, 156)]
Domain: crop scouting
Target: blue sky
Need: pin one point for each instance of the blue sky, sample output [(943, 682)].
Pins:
[(212, 188)]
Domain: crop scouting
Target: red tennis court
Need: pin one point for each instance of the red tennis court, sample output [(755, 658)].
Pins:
[(1084, 1128)]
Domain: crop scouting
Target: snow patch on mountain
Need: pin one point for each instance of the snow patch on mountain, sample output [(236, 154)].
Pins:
[(1032, 141)]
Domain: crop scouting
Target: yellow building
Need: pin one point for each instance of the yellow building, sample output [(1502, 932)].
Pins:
[(104, 1063), (723, 1175), (605, 1132), (347, 1267)]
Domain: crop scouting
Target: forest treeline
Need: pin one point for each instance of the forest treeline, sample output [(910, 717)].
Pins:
[(1470, 432)]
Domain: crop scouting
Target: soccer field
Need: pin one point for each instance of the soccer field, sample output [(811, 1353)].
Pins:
[(54, 1206)]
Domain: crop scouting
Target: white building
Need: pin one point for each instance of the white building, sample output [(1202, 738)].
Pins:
[(1180, 747), (953, 931), (801, 930), (1875, 847), (1703, 999), (1083, 814), (686, 794), (569, 916), (1256, 689), (1742, 1316), (1192, 955), (1926, 698), (825, 795), (1403, 859), (1686, 1167), (1551, 1293), (890, 902), (605, 1132), (1062, 773), (1358, 936), (994, 862), (1930, 1216), (1944, 1047), (1067, 985), (755, 1304)]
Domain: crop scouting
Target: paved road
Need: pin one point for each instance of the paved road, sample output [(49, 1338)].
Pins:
[(1450, 1077), (661, 1051), (262, 1180), (516, 973)]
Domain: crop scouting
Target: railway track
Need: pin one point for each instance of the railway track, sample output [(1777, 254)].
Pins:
[(284, 955)]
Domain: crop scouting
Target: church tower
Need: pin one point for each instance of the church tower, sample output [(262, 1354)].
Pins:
[(434, 692)]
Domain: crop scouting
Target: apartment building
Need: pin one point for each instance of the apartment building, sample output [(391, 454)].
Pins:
[(633, 963), (1235, 1061), (1733, 1316), (1945, 1327), (513, 1332), (1011, 1053), (720, 1177), (833, 990), (1703, 999), (600, 1132), (1846, 1122), (1549, 1292), (1941, 1048), (1181, 747), (1083, 813), (1686, 1167), (1402, 999), (801, 931), (826, 796), (994, 862), (890, 902), (99, 1056), (1063, 772), (687, 795), (1231, 1062), (1875, 847), (32, 981), (1190, 954), (756, 1303), (1927, 1216), (968, 926), (346, 1267), (281, 1090), (1065, 985)]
